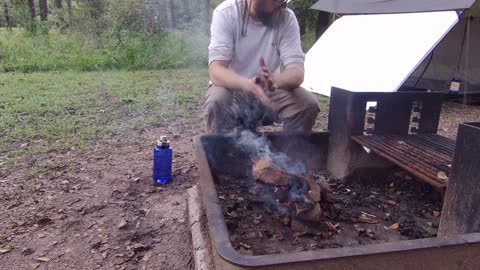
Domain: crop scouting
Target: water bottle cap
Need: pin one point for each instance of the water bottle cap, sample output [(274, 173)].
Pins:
[(163, 142)]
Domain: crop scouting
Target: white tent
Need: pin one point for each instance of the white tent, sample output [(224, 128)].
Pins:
[(456, 57), (382, 52), (389, 6)]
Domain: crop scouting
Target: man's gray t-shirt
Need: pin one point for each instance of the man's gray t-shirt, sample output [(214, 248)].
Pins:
[(279, 44)]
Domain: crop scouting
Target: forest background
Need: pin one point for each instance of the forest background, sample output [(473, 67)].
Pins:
[(87, 35)]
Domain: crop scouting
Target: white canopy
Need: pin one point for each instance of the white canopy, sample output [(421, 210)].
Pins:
[(374, 52), (389, 6)]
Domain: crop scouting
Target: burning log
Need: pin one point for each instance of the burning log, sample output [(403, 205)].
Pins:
[(306, 205), (265, 171)]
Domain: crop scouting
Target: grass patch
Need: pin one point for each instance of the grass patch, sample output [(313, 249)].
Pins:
[(58, 111), (54, 51)]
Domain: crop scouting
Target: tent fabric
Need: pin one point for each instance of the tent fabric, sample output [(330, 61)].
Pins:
[(448, 61), (374, 53), (389, 6)]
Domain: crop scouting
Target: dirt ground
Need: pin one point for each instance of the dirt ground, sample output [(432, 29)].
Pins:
[(99, 209)]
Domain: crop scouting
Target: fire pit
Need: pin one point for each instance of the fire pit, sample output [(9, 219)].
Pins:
[(222, 160)]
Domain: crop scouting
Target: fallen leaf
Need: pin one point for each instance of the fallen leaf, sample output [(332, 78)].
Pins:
[(430, 224), (367, 214), (123, 224), (245, 245), (391, 202), (393, 226), (436, 213), (20, 222), (42, 259), (442, 176), (4, 250), (365, 219), (426, 228)]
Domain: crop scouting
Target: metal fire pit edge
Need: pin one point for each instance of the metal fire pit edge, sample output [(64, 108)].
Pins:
[(452, 252)]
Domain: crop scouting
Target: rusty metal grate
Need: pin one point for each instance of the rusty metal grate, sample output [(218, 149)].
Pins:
[(427, 156)]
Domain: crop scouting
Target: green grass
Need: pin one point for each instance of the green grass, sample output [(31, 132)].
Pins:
[(55, 111), (54, 51)]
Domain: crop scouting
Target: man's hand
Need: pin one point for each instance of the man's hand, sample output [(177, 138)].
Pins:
[(254, 86), (268, 76), (222, 76)]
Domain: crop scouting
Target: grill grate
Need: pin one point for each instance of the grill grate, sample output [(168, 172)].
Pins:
[(427, 156)]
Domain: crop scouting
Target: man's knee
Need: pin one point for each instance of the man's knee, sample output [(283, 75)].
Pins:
[(216, 109), (307, 101)]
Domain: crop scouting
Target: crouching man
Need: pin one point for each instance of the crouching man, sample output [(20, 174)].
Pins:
[(249, 41)]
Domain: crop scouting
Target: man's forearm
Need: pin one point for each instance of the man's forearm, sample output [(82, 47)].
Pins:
[(225, 77), (290, 78)]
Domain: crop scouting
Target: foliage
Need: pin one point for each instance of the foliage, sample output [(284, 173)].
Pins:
[(106, 34), (22, 51), (60, 111)]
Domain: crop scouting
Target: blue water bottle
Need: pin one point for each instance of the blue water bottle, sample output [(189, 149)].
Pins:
[(162, 162)]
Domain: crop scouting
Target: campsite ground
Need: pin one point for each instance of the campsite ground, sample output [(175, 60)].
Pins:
[(75, 167)]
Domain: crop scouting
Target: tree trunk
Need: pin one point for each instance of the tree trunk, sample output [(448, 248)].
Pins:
[(31, 5), (302, 24), (69, 11), (58, 4), (163, 14), (153, 16), (96, 8), (43, 10), (7, 16), (323, 21), (188, 12), (173, 17), (207, 14)]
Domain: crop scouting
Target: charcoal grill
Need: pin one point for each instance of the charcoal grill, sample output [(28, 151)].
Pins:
[(217, 154)]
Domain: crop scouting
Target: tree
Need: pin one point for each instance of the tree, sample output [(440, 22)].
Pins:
[(58, 4), (323, 21), (208, 7), (7, 16), (43, 10), (173, 18), (188, 12), (69, 11), (31, 5), (303, 12), (163, 13)]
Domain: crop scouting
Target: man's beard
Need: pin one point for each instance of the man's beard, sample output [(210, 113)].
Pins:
[(266, 19)]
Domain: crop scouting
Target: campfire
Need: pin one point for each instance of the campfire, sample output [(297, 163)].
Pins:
[(300, 196)]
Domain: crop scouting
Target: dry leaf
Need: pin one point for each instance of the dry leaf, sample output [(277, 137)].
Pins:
[(436, 213), (393, 226), (4, 250), (391, 202), (430, 224), (42, 259), (442, 176)]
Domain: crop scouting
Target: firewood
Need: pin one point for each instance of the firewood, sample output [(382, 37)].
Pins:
[(265, 171)]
